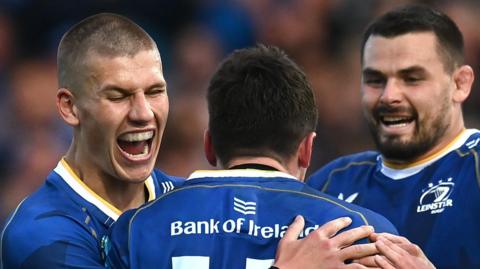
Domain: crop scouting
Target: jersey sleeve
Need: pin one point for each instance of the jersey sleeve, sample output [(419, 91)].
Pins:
[(115, 243), (49, 242)]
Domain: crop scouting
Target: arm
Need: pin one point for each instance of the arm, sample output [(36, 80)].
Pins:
[(323, 248), (49, 242), (396, 252)]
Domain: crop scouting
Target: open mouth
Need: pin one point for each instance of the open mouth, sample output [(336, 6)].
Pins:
[(136, 145), (396, 121)]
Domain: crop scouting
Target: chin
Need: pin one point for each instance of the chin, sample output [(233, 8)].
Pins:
[(404, 150), (136, 176)]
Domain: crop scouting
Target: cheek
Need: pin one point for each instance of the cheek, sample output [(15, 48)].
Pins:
[(426, 105), (97, 129), (160, 108), (104, 121), (368, 101)]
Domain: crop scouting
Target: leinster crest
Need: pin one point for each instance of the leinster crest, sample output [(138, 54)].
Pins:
[(436, 197)]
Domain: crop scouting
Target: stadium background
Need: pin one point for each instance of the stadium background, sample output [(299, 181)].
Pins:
[(193, 35)]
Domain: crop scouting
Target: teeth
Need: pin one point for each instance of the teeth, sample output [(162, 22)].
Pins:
[(396, 121), (389, 119), (397, 125), (136, 137)]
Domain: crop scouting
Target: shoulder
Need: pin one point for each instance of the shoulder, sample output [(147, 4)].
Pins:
[(163, 183), (51, 229), (367, 158), (380, 223), (360, 215), (362, 159), (467, 155), (472, 142), (345, 164), (37, 233), (160, 176)]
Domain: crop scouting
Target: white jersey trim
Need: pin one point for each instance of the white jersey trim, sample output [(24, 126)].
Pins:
[(239, 173)]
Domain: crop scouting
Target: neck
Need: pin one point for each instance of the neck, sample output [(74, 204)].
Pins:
[(120, 194), (253, 166), (285, 167)]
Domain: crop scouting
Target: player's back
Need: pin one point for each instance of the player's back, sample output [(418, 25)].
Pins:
[(226, 219)]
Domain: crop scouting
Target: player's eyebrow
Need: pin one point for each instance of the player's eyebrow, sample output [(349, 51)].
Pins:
[(409, 70), (115, 88), (109, 89), (413, 69), (158, 85), (371, 72)]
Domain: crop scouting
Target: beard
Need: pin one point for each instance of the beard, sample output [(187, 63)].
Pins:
[(426, 135)]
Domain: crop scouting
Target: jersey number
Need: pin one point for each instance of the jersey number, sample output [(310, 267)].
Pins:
[(203, 262)]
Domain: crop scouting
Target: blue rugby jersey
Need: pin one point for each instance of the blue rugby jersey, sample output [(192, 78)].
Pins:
[(62, 223), (435, 202), (224, 219)]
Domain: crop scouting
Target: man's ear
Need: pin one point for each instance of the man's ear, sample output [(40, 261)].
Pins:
[(305, 150), (66, 107), (208, 148), (463, 78)]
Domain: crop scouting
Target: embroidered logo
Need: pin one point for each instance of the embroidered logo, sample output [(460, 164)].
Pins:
[(436, 198), (244, 207), (349, 199)]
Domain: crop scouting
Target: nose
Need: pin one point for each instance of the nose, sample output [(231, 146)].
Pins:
[(392, 92), (141, 110)]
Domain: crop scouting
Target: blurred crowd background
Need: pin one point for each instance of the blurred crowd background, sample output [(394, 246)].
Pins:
[(322, 36)]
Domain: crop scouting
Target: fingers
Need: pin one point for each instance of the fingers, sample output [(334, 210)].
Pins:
[(328, 230), (368, 261), (347, 238), (360, 251), (382, 262), (394, 238), (390, 250), (412, 249), (403, 243), (399, 255), (332, 227), (374, 237), (294, 230), (360, 266)]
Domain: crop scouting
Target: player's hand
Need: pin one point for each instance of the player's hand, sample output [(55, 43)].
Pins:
[(396, 252), (323, 248)]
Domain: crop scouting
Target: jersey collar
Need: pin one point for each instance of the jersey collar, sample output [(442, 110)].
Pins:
[(76, 184), (239, 173), (400, 172)]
